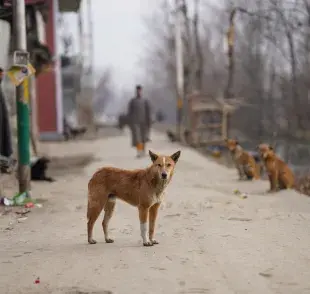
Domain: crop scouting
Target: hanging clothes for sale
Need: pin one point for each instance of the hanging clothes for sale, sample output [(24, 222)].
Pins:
[(5, 130)]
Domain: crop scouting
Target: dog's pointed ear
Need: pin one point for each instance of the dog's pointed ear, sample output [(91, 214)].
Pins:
[(175, 156), (153, 156)]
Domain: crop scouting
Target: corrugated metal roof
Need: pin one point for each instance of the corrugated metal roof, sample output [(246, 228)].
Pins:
[(27, 2), (69, 5), (64, 5)]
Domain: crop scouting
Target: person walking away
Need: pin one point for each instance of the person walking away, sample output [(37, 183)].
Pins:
[(139, 118)]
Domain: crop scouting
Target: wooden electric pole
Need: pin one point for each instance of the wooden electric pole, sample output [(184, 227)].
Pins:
[(179, 67)]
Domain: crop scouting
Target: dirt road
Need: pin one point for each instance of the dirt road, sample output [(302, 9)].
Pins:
[(211, 241)]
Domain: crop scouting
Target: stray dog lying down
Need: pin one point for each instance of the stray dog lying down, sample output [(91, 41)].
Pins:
[(142, 188)]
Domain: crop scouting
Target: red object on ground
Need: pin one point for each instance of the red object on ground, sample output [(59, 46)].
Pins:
[(37, 281), (29, 205)]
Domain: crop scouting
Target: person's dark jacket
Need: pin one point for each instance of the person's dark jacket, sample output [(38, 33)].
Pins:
[(139, 111)]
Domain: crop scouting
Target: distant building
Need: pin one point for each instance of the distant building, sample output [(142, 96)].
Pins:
[(53, 98)]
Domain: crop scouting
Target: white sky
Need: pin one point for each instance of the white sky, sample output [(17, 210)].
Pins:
[(117, 34)]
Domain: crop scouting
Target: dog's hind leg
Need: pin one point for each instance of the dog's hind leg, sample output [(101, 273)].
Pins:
[(108, 213), (93, 211), (251, 174), (281, 185)]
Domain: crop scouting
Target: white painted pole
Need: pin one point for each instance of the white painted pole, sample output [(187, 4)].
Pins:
[(58, 72), (90, 60)]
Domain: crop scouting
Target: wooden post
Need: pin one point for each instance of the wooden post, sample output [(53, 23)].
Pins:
[(224, 123), (230, 35), (179, 68)]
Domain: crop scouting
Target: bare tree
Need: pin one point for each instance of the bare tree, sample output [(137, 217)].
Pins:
[(270, 60), (266, 61)]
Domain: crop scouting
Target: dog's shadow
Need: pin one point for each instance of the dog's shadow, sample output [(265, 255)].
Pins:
[(84, 247)]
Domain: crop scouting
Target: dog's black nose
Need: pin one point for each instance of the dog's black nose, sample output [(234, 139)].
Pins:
[(164, 175)]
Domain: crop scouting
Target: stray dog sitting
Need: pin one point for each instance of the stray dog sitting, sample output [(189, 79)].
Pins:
[(38, 169), (245, 163), (279, 174), (172, 137), (142, 188)]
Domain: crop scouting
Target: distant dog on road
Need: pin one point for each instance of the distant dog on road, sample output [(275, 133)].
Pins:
[(172, 137), (279, 174), (142, 188), (245, 163)]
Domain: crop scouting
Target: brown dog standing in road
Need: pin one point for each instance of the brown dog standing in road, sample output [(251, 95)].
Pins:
[(142, 188)]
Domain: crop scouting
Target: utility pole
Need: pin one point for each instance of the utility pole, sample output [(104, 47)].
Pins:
[(22, 103), (80, 102), (90, 59), (179, 67), (90, 37), (81, 35), (85, 101), (230, 36)]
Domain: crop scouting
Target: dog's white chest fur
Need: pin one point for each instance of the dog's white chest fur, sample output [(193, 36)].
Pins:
[(238, 152), (157, 197)]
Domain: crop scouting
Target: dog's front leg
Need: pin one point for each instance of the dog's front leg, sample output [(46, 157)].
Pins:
[(273, 178), (152, 222), (240, 171), (143, 216)]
